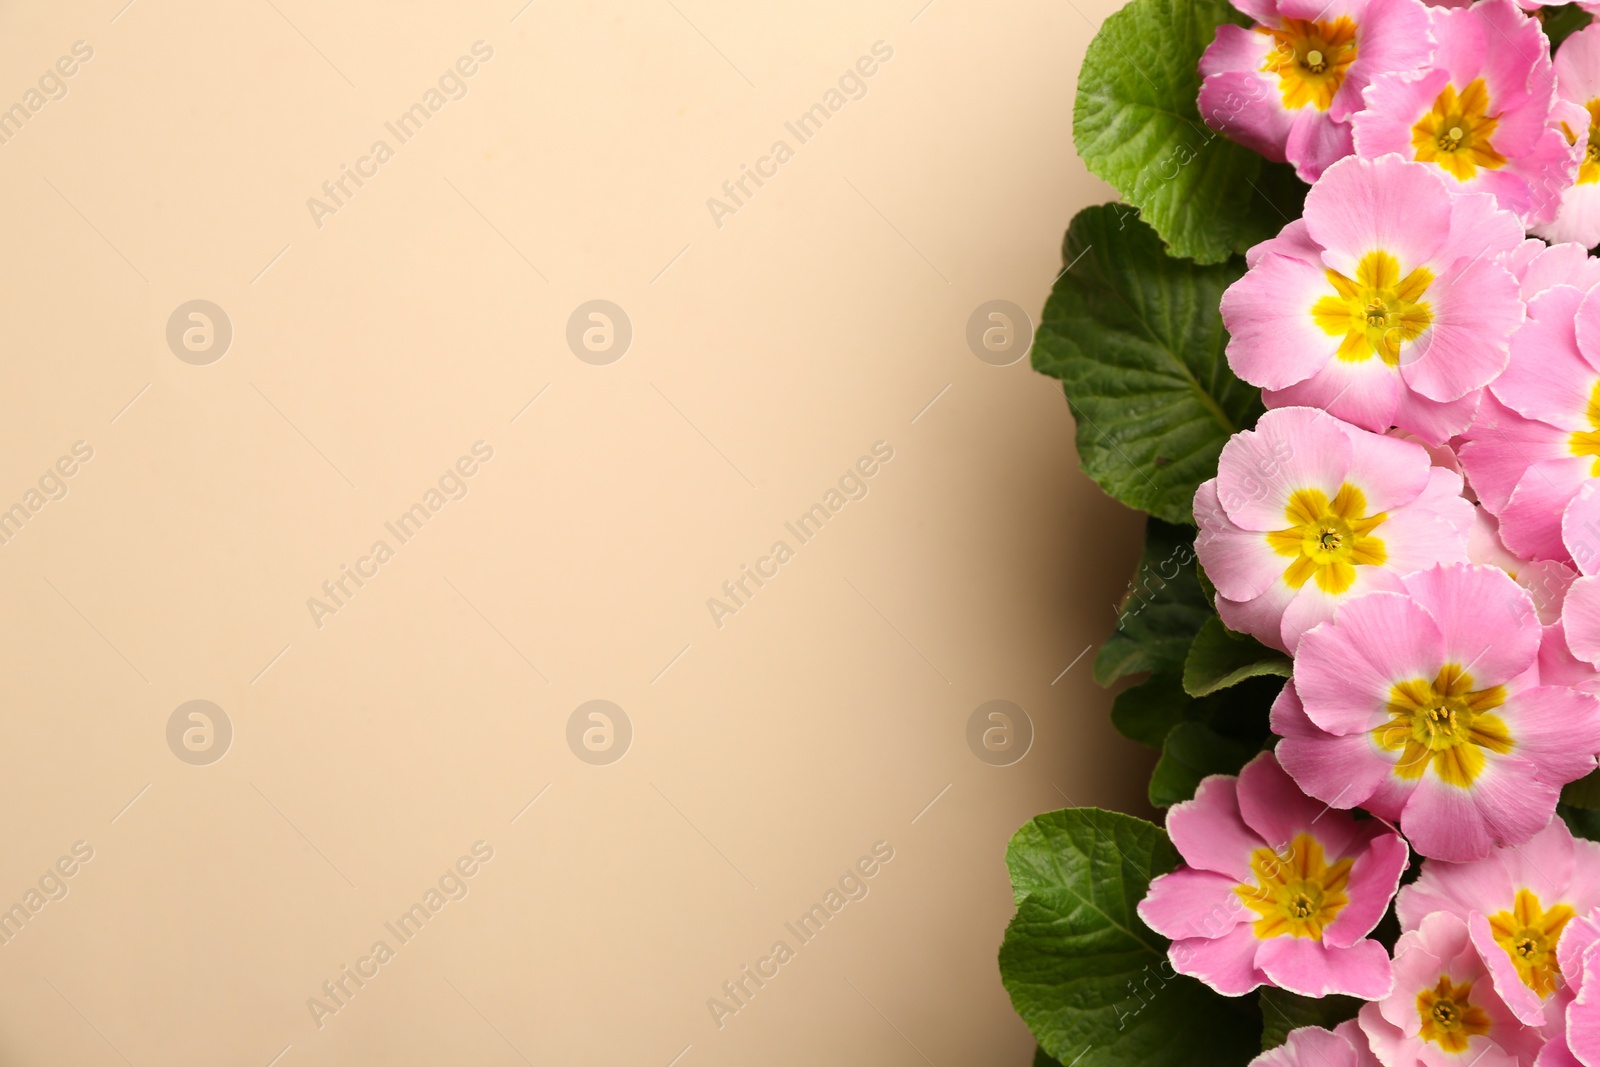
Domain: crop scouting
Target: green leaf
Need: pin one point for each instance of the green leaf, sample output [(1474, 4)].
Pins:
[(1277, 199), (1191, 751), (1147, 712), (1282, 1011), (1220, 658), (1088, 977), (1161, 611), (1562, 22), (1584, 793), (1387, 932), (1213, 734), (1041, 1058), (1136, 123), (1581, 821), (1136, 338)]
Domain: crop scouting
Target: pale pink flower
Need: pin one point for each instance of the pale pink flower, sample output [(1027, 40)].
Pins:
[(1573, 1038), (1424, 707), (1536, 439), (1549, 582), (1287, 86), (1307, 512), (1577, 69), (1485, 115), (1439, 454), (1558, 665), (1385, 305), (1311, 1046), (1276, 889), (1518, 903), (1444, 1011), (1545, 580), (1484, 544), (1537, 266)]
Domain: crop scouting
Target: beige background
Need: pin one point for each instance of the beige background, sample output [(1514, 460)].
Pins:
[(368, 354)]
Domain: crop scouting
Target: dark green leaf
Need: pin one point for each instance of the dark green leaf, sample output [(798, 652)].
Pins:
[(1191, 751), (1282, 1011), (1136, 123), (1279, 197), (1162, 610), (1562, 22), (1220, 658), (1241, 712), (1136, 338), (1583, 822), (1146, 712), (1088, 977), (1387, 932), (1215, 734), (1584, 793)]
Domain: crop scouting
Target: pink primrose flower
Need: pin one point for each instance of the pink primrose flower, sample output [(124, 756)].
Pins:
[(1311, 1046), (1577, 67), (1307, 512), (1485, 115), (1444, 1011), (1518, 903), (1276, 889), (1425, 707), (1536, 439), (1385, 305), (1288, 85)]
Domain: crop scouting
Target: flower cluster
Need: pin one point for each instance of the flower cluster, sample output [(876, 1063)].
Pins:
[(1416, 522), (1470, 91)]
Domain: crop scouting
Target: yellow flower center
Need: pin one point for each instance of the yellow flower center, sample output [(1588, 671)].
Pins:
[(1444, 724), (1587, 442), (1589, 168), (1328, 539), (1449, 1018), (1528, 934), (1378, 311), (1297, 893), (1310, 60), (1455, 132)]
